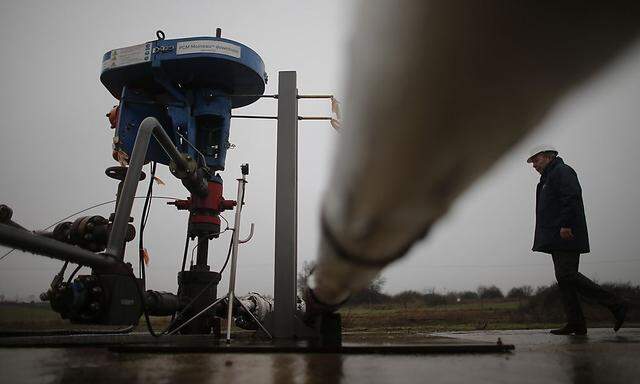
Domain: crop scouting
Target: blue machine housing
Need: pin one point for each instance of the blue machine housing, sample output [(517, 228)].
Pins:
[(190, 85)]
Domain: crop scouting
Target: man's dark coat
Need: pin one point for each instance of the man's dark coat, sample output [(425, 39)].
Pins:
[(559, 204)]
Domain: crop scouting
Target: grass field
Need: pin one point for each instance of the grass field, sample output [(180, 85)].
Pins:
[(473, 315), (457, 317), (22, 315)]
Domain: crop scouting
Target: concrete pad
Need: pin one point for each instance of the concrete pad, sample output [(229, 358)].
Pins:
[(600, 357), (367, 343)]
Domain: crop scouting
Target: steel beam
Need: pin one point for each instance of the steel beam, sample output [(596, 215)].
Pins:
[(286, 239)]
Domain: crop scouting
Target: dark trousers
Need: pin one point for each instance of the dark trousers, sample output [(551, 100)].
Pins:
[(572, 283)]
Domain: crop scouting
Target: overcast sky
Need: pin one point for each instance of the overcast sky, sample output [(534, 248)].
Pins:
[(55, 144)]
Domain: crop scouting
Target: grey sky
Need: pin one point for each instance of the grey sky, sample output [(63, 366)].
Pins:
[(55, 145)]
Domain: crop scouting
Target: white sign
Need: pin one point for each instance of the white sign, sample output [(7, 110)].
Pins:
[(127, 56), (208, 46)]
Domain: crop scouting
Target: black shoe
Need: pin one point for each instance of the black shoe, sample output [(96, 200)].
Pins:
[(620, 313), (570, 329)]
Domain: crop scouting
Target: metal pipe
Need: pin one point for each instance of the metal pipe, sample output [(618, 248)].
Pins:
[(49, 234), (202, 252), (315, 96), (29, 242), (15, 225), (234, 254), (149, 127), (403, 160), (167, 144), (246, 240), (253, 317), (254, 117), (314, 118), (162, 303), (257, 96), (275, 117)]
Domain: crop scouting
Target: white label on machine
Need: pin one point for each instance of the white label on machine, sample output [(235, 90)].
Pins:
[(208, 46), (127, 56)]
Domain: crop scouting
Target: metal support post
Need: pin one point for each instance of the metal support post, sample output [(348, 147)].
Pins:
[(234, 256), (286, 207)]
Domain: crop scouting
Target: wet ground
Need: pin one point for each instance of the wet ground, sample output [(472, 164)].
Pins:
[(600, 357)]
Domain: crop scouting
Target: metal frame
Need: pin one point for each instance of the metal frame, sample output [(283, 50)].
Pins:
[(285, 274)]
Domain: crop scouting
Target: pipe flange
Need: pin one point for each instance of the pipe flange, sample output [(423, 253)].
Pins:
[(5, 213), (183, 173)]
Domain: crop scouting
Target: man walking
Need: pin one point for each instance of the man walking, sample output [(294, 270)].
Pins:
[(561, 230)]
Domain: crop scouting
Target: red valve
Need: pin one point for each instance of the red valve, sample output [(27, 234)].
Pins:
[(204, 211), (181, 205), (227, 204)]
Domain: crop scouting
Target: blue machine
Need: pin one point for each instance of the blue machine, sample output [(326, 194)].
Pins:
[(190, 85)]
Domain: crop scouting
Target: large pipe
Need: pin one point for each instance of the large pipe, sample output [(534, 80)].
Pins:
[(29, 242), (159, 303), (149, 127), (456, 84), (260, 307)]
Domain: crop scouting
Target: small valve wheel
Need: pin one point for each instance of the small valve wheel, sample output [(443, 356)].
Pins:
[(119, 173)]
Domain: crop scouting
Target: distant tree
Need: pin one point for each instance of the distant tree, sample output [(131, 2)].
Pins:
[(546, 304), (452, 297), (407, 297), (432, 298), (520, 292), (370, 295), (491, 292), (541, 289), (468, 295), (2, 298)]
